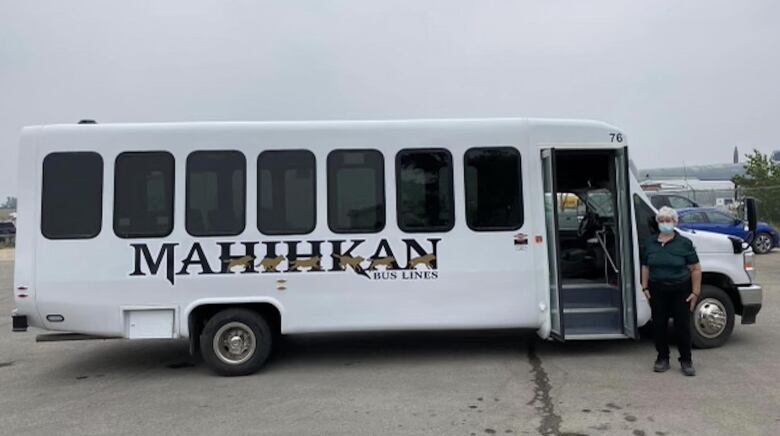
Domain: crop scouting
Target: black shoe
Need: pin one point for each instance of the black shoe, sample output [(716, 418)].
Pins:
[(661, 365), (688, 369)]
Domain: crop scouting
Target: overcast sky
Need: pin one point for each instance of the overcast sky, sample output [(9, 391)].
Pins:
[(686, 80)]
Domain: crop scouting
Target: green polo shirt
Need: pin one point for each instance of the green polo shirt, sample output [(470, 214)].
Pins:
[(668, 263)]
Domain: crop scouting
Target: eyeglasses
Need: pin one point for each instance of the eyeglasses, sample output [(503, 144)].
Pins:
[(665, 219)]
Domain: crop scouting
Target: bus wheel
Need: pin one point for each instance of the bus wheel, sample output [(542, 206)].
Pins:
[(236, 342), (713, 318)]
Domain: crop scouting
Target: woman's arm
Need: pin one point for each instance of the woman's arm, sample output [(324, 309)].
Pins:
[(695, 284), (644, 279)]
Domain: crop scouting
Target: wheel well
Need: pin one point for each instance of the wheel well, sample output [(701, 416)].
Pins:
[(724, 282), (201, 315)]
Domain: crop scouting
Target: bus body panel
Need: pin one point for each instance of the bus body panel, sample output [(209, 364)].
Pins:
[(481, 279), (27, 230)]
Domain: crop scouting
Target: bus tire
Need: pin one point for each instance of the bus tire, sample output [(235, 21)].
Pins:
[(236, 342), (712, 320)]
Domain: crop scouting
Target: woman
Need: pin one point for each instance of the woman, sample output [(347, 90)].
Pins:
[(671, 281)]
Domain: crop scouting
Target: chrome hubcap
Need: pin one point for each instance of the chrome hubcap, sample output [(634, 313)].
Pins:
[(234, 343), (763, 243), (710, 318)]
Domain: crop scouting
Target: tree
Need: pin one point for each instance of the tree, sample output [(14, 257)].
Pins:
[(762, 182), (10, 203)]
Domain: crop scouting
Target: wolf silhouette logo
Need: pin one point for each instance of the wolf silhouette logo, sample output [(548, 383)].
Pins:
[(429, 260), (244, 261), (313, 263), (270, 264)]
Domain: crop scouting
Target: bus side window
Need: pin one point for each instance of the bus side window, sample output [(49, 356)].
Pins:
[(644, 219), (356, 191), (494, 195), (286, 192), (216, 193), (143, 194), (424, 190), (72, 195)]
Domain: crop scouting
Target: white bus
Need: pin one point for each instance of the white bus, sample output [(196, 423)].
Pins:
[(229, 234)]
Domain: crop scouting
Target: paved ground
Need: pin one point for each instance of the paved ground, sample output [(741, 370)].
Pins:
[(410, 384)]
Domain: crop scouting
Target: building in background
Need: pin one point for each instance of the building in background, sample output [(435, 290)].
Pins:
[(707, 185)]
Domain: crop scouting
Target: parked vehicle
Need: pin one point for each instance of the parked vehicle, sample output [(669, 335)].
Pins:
[(7, 230), (229, 234), (715, 220), (675, 201)]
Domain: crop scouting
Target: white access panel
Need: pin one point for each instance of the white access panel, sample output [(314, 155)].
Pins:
[(149, 323)]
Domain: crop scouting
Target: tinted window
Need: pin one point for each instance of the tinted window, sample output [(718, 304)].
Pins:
[(693, 218), (570, 210), (601, 202), (72, 196), (356, 191), (286, 192), (424, 190), (493, 189), (143, 194), (646, 225), (659, 201), (677, 202), (215, 193), (720, 218)]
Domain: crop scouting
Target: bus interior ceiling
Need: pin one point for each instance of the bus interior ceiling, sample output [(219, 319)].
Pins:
[(588, 246)]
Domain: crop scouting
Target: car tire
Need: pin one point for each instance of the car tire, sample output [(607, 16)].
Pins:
[(762, 243), (236, 342), (712, 320)]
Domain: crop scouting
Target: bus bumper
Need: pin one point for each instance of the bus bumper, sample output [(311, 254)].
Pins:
[(751, 297)]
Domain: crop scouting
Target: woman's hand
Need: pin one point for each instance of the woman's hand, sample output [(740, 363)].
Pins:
[(692, 299), (647, 293)]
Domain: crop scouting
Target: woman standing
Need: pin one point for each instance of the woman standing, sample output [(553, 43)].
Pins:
[(671, 281)]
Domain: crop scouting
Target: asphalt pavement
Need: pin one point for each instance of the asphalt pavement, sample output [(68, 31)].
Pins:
[(446, 383)]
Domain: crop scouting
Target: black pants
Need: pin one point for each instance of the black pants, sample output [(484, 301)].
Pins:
[(669, 301)]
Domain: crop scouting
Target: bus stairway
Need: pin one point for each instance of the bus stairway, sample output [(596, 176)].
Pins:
[(591, 309)]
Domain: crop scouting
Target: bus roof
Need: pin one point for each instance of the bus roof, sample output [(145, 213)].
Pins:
[(397, 123), (476, 131)]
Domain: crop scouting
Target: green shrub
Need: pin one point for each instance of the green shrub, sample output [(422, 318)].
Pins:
[(762, 182)]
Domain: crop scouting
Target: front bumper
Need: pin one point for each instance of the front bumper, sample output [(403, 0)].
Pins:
[(751, 297)]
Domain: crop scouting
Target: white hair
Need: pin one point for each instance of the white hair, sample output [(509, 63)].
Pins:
[(667, 212)]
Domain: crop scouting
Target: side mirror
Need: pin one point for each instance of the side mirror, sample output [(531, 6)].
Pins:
[(752, 217)]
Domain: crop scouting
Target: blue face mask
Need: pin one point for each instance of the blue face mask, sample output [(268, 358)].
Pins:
[(666, 227)]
